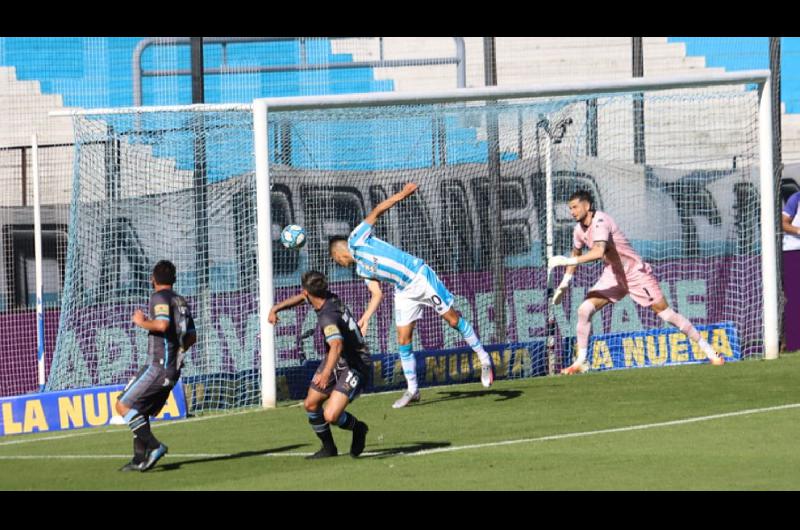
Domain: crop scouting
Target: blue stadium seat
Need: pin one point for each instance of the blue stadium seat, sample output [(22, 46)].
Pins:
[(97, 72)]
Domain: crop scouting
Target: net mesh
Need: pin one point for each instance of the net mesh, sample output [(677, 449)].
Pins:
[(18, 337), (175, 186)]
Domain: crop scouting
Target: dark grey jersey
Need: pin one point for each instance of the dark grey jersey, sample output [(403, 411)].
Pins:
[(336, 322), (162, 348)]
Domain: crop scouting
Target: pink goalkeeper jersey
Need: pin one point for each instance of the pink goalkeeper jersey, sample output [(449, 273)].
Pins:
[(620, 256)]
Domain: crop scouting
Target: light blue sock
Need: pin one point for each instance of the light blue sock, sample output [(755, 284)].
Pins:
[(130, 415), (409, 363), (466, 330)]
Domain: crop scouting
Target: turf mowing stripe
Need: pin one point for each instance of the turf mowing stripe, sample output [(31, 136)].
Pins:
[(456, 448), (605, 431)]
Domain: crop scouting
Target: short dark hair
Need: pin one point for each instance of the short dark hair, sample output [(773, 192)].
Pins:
[(582, 195), (315, 283), (335, 239), (164, 273)]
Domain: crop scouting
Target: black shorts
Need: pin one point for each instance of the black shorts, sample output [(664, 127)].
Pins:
[(149, 390), (348, 381)]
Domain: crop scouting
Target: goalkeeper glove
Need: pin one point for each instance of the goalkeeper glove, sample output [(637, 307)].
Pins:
[(561, 288), (558, 261)]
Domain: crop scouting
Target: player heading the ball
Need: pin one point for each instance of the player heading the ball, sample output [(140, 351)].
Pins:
[(625, 273), (416, 285)]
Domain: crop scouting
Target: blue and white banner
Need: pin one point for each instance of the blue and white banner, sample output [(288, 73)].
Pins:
[(660, 347), (73, 409)]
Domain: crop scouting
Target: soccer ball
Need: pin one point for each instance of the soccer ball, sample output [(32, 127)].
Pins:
[(293, 237)]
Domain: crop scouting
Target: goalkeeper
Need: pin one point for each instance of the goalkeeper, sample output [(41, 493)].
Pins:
[(625, 273), (416, 286), (344, 371)]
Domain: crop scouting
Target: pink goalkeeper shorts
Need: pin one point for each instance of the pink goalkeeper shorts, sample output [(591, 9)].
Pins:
[(641, 285)]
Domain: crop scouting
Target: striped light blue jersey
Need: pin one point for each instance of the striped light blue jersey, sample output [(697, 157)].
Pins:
[(378, 260)]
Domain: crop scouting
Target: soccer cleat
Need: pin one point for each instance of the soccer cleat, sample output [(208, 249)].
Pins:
[(575, 369), (719, 360), (325, 452), (405, 399), (487, 375), (153, 457), (132, 466), (359, 439)]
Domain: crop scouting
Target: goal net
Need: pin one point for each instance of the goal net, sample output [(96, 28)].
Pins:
[(677, 169), (153, 186)]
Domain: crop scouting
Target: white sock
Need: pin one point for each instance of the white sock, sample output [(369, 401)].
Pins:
[(706, 347), (472, 340), (581, 356)]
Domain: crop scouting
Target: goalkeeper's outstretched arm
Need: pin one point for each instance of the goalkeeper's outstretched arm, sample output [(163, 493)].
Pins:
[(384, 206), (568, 273), (597, 251)]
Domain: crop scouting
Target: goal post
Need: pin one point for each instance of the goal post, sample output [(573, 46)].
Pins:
[(37, 250), (324, 161), (769, 252), (269, 396)]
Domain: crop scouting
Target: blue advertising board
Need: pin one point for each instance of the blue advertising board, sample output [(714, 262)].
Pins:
[(73, 409), (659, 347)]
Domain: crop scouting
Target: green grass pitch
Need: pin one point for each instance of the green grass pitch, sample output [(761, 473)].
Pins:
[(677, 428)]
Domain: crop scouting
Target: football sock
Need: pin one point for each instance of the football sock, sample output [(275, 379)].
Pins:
[(139, 450), (321, 428), (683, 324), (346, 421), (585, 312), (409, 364), (466, 330), (581, 356), (139, 425)]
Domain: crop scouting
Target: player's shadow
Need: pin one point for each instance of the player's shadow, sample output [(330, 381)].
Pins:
[(245, 454), (451, 395), (405, 450)]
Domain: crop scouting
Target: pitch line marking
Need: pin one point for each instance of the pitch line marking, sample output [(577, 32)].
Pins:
[(552, 437), (606, 431)]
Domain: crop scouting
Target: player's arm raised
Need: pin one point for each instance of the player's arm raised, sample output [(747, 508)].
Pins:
[(376, 295), (285, 304), (384, 206)]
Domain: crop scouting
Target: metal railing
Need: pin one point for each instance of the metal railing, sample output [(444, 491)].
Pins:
[(459, 59), (23, 165)]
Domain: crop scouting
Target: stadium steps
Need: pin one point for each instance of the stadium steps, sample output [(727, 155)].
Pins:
[(24, 111), (790, 137), (542, 60)]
